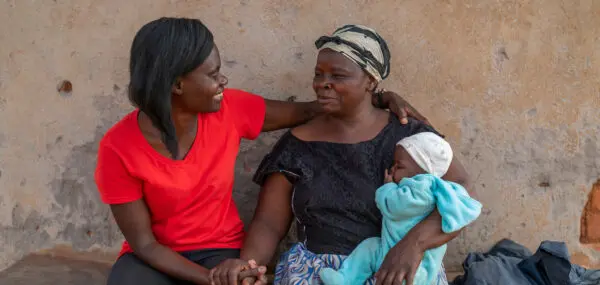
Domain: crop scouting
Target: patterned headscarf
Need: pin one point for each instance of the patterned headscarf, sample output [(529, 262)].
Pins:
[(362, 45)]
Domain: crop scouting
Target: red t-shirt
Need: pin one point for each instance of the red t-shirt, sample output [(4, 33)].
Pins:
[(190, 200)]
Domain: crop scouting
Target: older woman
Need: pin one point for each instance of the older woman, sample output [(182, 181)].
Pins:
[(166, 169), (324, 174)]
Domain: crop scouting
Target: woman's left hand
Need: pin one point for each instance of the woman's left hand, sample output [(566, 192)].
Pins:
[(401, 107), (400, 263)]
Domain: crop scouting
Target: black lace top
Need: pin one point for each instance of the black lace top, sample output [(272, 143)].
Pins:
[(335, 183)]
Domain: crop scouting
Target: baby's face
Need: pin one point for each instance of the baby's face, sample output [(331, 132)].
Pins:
[(404, 165)]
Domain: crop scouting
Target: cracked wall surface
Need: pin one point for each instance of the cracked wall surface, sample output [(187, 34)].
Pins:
[(514, 85)]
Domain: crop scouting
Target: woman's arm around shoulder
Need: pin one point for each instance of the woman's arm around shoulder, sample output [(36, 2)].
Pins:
[(284, 114), (288, 114)]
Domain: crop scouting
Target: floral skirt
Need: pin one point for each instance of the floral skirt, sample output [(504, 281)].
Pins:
[(299, 266)]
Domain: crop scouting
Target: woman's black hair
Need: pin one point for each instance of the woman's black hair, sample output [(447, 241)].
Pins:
[(162, 51)]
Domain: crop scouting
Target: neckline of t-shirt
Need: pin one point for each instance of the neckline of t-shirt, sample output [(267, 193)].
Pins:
[(377, 137), (149, 149)]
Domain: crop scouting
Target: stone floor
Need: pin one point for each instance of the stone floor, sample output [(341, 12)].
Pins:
[(45, 269)]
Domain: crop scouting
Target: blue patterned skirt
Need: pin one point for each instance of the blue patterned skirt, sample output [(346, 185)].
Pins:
[(299, 266)]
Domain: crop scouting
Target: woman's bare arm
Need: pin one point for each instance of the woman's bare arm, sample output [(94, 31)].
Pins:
[(272, 220), (401, 262), (134, 221), (428, 233), (283, 114)]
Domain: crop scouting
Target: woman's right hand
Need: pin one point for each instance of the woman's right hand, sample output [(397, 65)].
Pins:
[(232, 271)]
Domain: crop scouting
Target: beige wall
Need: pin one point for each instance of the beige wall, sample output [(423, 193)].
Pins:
[(513, 84)]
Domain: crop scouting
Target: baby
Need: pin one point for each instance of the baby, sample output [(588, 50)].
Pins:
[(413, 189)]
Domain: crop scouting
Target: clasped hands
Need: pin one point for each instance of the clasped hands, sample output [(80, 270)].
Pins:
[(238, 271)]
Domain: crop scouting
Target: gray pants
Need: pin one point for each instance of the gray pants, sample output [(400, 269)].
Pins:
[(130, 270)]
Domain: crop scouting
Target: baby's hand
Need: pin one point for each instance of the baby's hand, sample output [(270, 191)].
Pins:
[(388, 177)]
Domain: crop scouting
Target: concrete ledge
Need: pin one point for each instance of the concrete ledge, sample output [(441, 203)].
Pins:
[(66, 251), (62, 265), (37, 269)]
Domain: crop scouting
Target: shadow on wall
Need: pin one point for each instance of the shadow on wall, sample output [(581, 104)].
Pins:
[(87, 222), (76, 217)]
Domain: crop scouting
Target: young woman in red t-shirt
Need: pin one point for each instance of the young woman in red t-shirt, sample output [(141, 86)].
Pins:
[(167, 168)]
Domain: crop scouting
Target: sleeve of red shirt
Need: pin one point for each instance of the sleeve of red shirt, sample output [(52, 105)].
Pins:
[(247, 111), (115, 184)]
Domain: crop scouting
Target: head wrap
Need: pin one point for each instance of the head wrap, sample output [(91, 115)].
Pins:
[(430, 151), (363, 46)]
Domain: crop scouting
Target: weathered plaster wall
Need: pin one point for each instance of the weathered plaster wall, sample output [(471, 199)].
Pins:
[(513, 84)]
